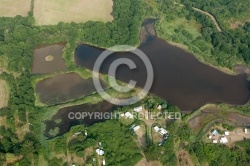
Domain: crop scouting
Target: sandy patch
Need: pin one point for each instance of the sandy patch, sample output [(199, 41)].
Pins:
[(4, 94)]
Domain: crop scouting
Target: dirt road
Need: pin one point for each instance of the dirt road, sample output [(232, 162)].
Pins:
[(208, 14)]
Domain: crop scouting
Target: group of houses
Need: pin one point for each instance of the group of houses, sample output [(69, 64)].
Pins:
[(138, 109), (100, 152), (223, 139), (129, 115), (219, 139)]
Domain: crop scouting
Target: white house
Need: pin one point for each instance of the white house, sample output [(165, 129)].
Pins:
[(103, 162), (226, 132), (156, 128), (223, 140), (159, 107), (99, 152), (136, 128), (163, 131), (210, 137), (245, 130), (138, 109), (129, 115)]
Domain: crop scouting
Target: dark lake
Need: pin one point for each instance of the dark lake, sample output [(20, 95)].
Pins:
[(63, 87), (65, 122), (48, 59), (179, 77)]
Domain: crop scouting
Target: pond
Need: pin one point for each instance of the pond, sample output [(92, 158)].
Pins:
[(63, 87), (48, 59)]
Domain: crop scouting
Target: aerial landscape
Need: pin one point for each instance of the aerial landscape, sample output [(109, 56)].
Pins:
[(125, 83)]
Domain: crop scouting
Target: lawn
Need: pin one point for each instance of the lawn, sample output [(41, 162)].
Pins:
[(48, 12), (11, 9)]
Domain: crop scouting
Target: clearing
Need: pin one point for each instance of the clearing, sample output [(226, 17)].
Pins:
[(237, 24), (11, 9), (48, 12), (144, 162), (22, 127), (4, 94), (184, 159)]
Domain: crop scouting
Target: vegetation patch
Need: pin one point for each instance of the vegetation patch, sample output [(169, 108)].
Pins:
[(184, 159), (4, 94), (48, 12), (12, 9), (49, 58)]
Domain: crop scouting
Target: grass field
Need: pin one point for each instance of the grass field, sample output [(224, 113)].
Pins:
[(12, 8), (4, 94), (47, 12)]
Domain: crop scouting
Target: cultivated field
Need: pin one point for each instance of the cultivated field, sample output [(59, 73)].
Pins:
[(12, 8), (4, 94), (47, 12)]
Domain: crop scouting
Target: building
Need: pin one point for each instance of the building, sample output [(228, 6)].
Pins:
[(76, 134), (210, 137), (136, 128), (223, 140), (162, 131), (138, 109), (156, 128), (99, 152), (226, 133), (215, 132), (103, 162), (245, 130), (215, 141), (159, 107), (129, 115)]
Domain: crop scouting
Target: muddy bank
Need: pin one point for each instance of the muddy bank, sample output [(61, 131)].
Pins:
[(242, 69), (212, 114), (147, 30)]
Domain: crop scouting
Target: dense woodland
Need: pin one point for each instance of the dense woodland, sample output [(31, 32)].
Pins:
[(19, 36), (226, 12)]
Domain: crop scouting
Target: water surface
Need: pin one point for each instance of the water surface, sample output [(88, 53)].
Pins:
[(179, 77), (66, 122), (63, 87)]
